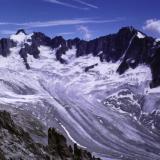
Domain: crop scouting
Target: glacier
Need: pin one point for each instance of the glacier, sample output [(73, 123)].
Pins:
[(66, 97)]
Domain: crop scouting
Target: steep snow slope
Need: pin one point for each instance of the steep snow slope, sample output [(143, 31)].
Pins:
[(66, 97)]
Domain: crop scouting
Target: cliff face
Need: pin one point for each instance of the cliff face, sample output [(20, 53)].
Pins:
[(128, 45), (17, 144), (5, 45), (58, 148)]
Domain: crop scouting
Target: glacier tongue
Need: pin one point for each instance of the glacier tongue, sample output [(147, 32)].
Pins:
[(66, 97)]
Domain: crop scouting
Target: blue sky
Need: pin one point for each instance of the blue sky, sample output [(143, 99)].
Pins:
[(86, 19)]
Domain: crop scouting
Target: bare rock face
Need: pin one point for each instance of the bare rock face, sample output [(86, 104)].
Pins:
[(17, 144), (57, 145), (58, 148), (39, 38), (5, 45), (90, 67)]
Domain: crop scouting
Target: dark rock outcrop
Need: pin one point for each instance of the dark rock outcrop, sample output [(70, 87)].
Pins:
[(29, 49), (15, 140), (155, 68), (17, 144), (5, 45), (90, 67), (57, 147), (39, 38)]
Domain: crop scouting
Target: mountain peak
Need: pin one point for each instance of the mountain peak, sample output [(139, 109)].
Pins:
[(21, 31), (128, 29), (129, 45)]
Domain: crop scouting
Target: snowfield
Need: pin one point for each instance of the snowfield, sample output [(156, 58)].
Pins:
[(66, 97)]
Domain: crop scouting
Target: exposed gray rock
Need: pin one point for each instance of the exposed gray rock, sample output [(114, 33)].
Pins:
[(17, 144), (126, 101)]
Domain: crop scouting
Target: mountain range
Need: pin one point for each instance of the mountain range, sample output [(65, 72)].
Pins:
[(129, 46), (101, 94)]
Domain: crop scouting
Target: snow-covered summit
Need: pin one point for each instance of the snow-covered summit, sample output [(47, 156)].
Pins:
[(21, 37)]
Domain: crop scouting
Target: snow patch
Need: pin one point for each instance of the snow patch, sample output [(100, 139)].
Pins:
[(70, 54), (140, 35), (70, 137), (157, 40), (13, 61), (21, 38)]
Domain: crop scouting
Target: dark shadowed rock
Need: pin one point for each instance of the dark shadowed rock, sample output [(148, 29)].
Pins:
[(5, 45), (60, 44), (155, 69), (21, 31), (58, 41), (39, 38), (72, 42), (90, 67), (57, 145), (58, 148), (17, 144), (23, 53)]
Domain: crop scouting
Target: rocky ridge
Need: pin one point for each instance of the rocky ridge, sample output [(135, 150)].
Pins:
[(129, 46), (17, 144)]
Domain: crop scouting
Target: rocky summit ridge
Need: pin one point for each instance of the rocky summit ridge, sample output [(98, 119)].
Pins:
[(17, 144), (129, 46)]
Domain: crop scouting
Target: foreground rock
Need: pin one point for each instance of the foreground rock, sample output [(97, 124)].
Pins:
[(17, 144)]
